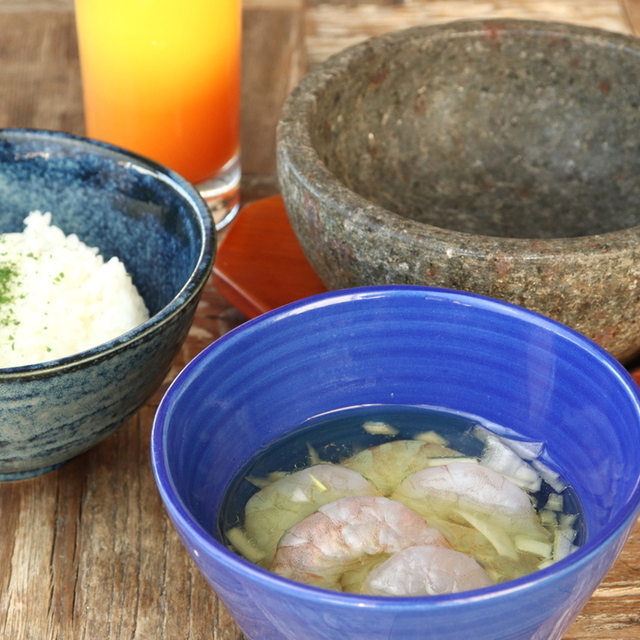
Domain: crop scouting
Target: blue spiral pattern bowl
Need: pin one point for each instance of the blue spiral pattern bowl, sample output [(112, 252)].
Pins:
[(159, 227), (411, 346)]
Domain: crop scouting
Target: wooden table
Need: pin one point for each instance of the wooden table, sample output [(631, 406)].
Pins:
[(87, 552)]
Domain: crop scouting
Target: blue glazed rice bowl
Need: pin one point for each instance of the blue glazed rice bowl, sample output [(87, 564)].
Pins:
[(159, 227)]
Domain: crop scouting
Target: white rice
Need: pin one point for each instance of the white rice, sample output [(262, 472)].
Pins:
[(58, 296)]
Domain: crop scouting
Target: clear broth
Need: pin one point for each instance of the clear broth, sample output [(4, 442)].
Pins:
[(338, 435)]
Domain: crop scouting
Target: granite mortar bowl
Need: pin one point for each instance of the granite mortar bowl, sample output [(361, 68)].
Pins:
[(495, 157), (158, 226), (404, 345)]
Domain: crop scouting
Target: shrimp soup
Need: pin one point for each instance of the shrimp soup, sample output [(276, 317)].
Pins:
[(409, 346), (401, 501)]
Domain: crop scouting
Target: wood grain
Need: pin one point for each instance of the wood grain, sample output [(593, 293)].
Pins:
[(632, 9), (332, 28), (273, 62), (39, 71), (87, 552)]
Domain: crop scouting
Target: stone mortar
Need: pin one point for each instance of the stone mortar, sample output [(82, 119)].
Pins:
[(498, 157)]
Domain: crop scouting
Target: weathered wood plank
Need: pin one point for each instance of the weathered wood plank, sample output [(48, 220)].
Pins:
[(332, 28), (632, 9), (36, 5), (273, 62), (39, 71), (613, 613)]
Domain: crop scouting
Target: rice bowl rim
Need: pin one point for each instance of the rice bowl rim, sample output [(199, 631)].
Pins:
[(191, 288)]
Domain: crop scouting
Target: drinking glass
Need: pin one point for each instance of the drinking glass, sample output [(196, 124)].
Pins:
[(162, 78)]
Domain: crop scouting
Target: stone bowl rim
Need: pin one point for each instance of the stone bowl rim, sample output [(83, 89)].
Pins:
[(296, 149)]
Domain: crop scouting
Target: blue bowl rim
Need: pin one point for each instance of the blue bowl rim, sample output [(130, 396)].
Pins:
[(183, 518), (189, 290)]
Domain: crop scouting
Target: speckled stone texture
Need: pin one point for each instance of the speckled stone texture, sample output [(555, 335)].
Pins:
[(495, 157)]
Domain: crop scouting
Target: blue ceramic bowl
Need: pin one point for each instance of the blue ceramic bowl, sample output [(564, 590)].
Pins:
[(412, 346), (160, 228)]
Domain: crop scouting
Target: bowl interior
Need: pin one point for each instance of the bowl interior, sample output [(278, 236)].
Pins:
[(511, 129), (111, 200), (411, 346)]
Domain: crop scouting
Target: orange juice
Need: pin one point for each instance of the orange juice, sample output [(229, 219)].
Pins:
[(162, 78)]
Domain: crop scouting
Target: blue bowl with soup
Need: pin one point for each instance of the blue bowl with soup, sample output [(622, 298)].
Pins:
[(430, 364), (148, 219)]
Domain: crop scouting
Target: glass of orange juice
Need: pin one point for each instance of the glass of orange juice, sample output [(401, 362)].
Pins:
[(162, 78)]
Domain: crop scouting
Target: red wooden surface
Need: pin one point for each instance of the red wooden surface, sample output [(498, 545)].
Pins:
[(260, 265)]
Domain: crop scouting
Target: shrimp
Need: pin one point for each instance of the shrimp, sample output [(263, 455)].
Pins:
[(282, 504), (336, 546), (472, 489), (425, 570), (482, 514), (390, 463)]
